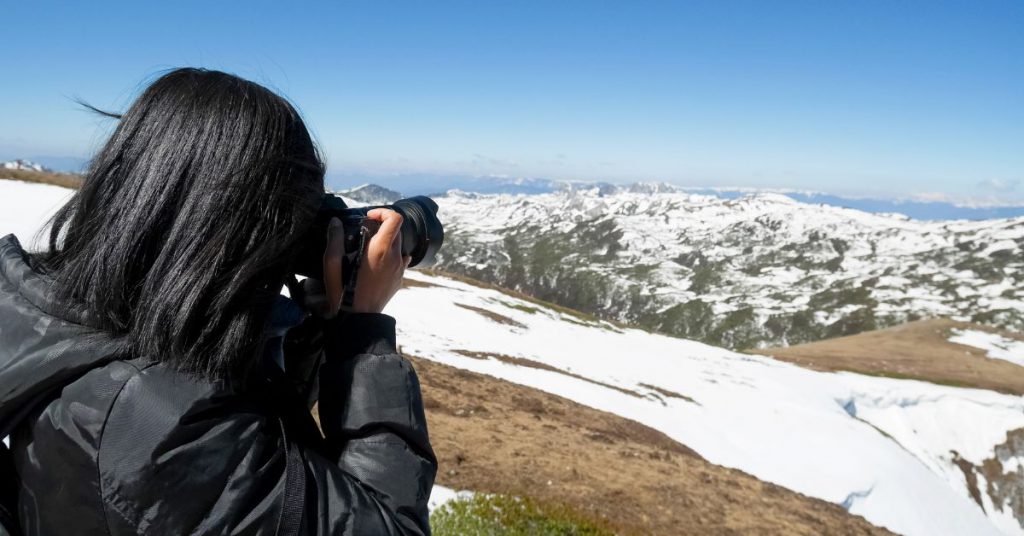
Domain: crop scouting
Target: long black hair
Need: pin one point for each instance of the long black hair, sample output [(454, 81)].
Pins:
[(180, 236)]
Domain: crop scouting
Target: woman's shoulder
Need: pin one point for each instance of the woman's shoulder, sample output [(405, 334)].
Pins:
[(152, 398), (135, 403), (158, 447)]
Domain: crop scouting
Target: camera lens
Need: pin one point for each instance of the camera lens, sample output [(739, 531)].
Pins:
[(422, 232)]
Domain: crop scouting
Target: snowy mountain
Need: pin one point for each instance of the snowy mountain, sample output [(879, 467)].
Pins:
[(371, 194), (760, 270), (911, 456), (24, 165)]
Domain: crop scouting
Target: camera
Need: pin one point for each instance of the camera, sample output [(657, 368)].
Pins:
[(422, 235)]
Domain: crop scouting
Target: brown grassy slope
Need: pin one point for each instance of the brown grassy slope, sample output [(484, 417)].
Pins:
[(917, 350), (67, 180), (499, 437)]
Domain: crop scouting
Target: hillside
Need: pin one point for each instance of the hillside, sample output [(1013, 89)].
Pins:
[(758, 271), (926, 350), (28, 172)]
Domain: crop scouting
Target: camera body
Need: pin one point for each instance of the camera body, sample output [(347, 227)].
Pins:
[(422, 235)]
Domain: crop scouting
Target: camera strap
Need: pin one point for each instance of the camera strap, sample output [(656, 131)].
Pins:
[(349, 292)]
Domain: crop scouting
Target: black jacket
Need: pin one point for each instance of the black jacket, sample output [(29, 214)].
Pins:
[(103, 443)]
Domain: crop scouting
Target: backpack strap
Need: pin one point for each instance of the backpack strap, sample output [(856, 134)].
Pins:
[(294, 488), (298, 431)]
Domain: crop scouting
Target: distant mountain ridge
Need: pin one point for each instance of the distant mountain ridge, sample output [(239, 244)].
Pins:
[(919, 210), (23, 165), (434, 184)]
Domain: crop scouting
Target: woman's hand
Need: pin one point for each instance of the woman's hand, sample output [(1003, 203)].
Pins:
[(381, 271)]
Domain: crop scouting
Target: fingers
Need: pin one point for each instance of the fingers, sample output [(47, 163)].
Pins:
[(396, 245), (388, 239), (332, 265)]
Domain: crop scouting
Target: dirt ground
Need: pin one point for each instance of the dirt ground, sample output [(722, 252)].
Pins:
[(917, 350), (495, 436)]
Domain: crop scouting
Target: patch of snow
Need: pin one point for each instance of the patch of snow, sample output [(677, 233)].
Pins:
[(441, 495), (995, 346), (1002, 245)]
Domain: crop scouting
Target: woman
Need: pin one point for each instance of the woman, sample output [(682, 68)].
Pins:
[(134, 381)]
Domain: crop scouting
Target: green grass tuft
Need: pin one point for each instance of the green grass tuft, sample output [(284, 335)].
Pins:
[(503, 515)]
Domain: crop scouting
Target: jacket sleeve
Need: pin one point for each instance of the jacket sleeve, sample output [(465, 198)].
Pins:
[(150, 450), (380, 469)]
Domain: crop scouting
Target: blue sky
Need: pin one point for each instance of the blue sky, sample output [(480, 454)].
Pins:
[(894, 98)]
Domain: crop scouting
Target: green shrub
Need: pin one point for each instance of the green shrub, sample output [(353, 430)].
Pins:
[(503, 515), (705, 278)]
